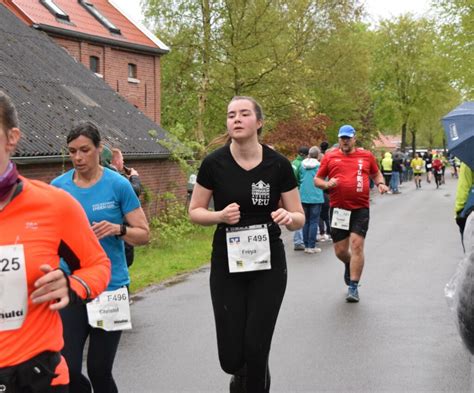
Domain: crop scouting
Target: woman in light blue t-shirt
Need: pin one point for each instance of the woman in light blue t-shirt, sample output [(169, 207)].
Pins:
[(108, 200)]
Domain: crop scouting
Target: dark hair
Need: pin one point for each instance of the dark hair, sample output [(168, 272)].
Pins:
[(303, 150), (256, 107), (87, 129), (8, 114), (324, 146), (225, 139)]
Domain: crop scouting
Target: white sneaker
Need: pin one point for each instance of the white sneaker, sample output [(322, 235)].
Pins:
[(312, 250)]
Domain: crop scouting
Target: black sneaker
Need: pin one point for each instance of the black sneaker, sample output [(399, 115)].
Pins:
[(352, 295), (347, 273), (299, 247)]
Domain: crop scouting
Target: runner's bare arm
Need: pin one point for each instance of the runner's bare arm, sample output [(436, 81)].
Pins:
[(200, 214), (137, 231), (291, 214), (380, 182), (325, 184)]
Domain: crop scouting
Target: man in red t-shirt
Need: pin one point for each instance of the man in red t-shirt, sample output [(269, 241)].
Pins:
[(348, 171)]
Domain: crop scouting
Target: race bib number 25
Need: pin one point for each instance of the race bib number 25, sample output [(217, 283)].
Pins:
[(13, 287)]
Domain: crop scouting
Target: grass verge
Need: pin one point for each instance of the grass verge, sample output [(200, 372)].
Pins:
[(156, 263)]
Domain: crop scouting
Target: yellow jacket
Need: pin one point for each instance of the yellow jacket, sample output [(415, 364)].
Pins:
[(465, 183)]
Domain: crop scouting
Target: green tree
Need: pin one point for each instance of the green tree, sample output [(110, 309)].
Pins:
[(411, 76), (261, 48), (456, 18), (338, 76)]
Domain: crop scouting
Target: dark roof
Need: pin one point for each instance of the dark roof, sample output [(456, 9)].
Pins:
[(51, 92)]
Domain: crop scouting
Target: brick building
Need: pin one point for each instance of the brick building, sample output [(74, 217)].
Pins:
[(99, 35), (52, 91)]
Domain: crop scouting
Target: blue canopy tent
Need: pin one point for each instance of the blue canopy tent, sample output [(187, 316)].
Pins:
[(459, 128)]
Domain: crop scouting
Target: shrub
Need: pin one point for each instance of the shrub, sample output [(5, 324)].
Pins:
[(172, 222)]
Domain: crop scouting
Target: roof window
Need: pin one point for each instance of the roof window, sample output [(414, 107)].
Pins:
[(55, 10), (101, 18)]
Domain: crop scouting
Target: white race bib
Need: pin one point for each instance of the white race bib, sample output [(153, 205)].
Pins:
[(248, 248), (429, 166), (110, 310), (341, 219), (13, 287)]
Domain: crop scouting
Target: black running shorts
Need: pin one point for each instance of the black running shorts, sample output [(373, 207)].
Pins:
[(359, 223)]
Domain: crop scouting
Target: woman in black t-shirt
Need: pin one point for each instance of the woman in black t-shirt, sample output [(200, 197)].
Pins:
[(248, 265)]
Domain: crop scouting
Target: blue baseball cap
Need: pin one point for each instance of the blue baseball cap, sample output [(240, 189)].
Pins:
[(346, 131)]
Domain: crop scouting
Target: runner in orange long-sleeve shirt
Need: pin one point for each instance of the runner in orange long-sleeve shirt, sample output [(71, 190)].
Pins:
[(39, 224)]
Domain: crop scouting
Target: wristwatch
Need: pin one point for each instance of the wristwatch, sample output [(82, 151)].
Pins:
[(123, 230)]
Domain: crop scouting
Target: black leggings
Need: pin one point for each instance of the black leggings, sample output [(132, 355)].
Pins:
[(246, 307), (100, 357)]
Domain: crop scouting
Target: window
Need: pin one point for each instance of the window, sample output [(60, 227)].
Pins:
[(132, 70), (101, 18), (55, 10), (94, 64)]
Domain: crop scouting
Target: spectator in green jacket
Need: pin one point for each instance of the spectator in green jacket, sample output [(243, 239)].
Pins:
[(296, 163)]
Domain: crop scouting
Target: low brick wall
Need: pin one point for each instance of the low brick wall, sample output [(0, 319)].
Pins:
[(157, 176)]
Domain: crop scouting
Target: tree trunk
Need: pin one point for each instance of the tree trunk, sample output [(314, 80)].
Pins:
[(205, 55), (413, 140), (404, 137)]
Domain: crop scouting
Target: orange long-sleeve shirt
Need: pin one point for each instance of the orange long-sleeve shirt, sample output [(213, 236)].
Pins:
[(49, 224)]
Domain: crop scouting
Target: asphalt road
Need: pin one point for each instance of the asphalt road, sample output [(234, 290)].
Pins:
[(401, 337)]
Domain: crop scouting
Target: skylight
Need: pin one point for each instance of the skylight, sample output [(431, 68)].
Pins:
[(54, 9), (101, 18)]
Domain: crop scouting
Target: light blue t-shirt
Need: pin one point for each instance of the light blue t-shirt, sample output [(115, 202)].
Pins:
[(110, 199)]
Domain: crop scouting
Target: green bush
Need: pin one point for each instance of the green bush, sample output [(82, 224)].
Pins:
[(172, 222)]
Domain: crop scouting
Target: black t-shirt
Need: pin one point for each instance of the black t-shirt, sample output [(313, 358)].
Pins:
[(257, 191), (428, 161)]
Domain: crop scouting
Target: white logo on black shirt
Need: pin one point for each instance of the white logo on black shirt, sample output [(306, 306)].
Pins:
[(260, 193)]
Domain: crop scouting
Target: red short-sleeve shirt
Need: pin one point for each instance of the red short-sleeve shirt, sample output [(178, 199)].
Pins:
[(352, 172)]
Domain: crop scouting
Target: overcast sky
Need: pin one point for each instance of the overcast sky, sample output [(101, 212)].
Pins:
[(377, 8)]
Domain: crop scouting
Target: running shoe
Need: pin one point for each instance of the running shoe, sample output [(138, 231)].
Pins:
[(314, 250), (347, 273), (299, 247), (352, 295)]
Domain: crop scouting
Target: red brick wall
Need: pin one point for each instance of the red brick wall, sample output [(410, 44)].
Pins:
[(157, 176), (71, 47), (144, 95)]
